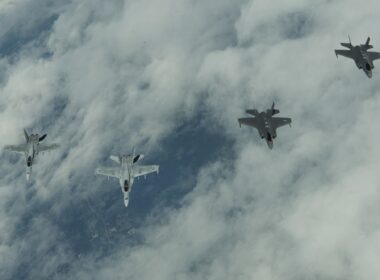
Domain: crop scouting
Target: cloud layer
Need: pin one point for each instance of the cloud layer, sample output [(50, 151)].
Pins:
[(102, 77)]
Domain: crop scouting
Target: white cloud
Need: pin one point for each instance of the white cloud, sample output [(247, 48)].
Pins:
[(127, 73)]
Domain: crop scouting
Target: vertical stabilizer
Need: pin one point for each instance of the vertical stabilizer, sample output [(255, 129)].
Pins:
[(347, 45), (26, 135)]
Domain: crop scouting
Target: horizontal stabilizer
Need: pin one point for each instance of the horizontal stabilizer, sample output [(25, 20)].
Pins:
[(346, 45), (252, 112), (115, 159)]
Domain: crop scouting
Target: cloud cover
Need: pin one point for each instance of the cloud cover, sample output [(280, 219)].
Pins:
[(104, 77)]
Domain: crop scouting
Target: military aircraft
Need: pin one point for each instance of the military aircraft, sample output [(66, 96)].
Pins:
[(31, 149), (360, 54), (265, 123), (127, 171)]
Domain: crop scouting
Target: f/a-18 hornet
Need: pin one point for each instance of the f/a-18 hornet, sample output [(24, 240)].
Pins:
[(127, 171), (360, 54), (31, 149), (265, 123)]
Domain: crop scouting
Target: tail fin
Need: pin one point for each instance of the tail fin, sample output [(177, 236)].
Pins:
[(274, 111), (26, 135), (42, 138), (347, 45), (367, 46)]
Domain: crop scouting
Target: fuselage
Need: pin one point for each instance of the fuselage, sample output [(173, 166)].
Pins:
[(266, 129), (127, 177), (362, 60), (30, 153)]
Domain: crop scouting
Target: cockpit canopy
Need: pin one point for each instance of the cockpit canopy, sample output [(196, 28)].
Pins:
[(29, 161)]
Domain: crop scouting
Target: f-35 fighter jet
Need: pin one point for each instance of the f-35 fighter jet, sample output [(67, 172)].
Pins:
[(360, 54), (265, 123), (31, 149), (127, 171)]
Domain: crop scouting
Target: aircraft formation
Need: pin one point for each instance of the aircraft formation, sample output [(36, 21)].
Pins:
[(128, 168)]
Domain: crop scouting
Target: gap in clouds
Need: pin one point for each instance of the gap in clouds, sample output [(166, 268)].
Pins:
[(99, 223)]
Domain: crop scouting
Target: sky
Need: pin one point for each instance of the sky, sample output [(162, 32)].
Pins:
[(170, 79)]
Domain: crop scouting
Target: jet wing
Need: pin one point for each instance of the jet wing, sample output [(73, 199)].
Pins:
[(16, 148), (278, 122), (249, 122), (108, 171), (373, 55), (141, 170), (346, 53), (44, 148)]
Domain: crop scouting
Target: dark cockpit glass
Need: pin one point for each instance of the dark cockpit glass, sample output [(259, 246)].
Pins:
[(269, 138), (126, 186), (29, 162)]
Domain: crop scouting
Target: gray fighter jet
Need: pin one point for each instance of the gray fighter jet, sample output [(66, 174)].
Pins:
[(127, 171), (31, 149), (265, 123), (360, 54)]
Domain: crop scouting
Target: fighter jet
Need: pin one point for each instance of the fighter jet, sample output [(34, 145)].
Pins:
[(31, 149), (360, 54), (127, 171), (265, 123)]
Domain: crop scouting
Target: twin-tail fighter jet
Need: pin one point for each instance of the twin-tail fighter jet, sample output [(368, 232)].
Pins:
[(31, 149), (360, 54), (265, 123), (127, 171)]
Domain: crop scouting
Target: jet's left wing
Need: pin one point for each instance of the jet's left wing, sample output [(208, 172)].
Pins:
[(141, 170), (20, 149), (109, 171), (373, 55), (248, 121), (278, 122), (346, 53), (44, 148)]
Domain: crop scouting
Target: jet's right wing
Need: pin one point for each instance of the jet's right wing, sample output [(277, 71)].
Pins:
[(373, 55), (142, 170), (278, 122), (249, 122), (44, 148), (109, 172), (346, 53), (20, 149)]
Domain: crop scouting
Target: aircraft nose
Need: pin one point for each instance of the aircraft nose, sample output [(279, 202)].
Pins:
[(27, 176), (126, 201), (369, 74), (270, 144)]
